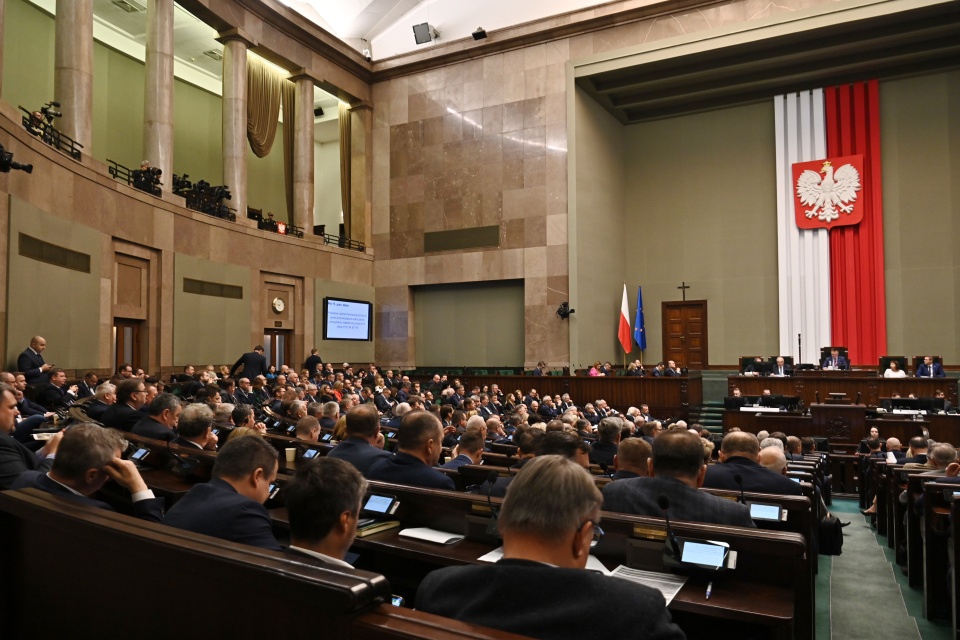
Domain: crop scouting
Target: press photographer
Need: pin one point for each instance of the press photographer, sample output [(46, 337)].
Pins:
[(147, 178)]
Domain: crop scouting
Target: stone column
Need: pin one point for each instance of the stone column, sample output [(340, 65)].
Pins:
[(73, 69), (361, 173), (235, 45), (158, 90), (303, 186)]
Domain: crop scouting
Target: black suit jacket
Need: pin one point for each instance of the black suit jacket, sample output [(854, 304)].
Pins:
[(216, 509), (15, 459), (670, 373), (754, 476), (254, 364), (29, 362), (121, 416), (85, 391), (639, 496), (603, 453), (245, 398), (150, 428), (95, 409), (360, 453), (150, 509), (53, 397), (28, 407), (403, 468), (553, 604)]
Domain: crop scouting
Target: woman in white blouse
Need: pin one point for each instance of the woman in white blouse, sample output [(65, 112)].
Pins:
[(894, 371)]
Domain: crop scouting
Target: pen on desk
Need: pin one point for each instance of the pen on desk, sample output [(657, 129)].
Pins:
[(709, 589)]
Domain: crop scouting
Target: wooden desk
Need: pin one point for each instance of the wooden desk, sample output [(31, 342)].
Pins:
[(667, 397), (940, 427), (870, 386), (936, 559), (779, 600)]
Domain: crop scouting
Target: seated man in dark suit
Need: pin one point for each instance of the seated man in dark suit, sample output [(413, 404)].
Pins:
[(195, 427), (87, 457), (672, 369), (549, 521), (330, 414), (308, 428), (88, 386), (469, 450), (363, 446), (631, 459), (122, 415), (160, 423), (418, 450), (14, 457), (781, 368), (677, 471), (794, 448), (106, 395), (605, 448), (835, 361), (930, 369), (739, 455), (230, 506), (323, 502), (55, 394), (917, 453), (31, 363)]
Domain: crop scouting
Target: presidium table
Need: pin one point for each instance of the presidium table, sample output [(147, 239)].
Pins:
[(844, 421)]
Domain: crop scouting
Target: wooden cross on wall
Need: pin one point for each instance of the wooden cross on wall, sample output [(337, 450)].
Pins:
[(683, 288)]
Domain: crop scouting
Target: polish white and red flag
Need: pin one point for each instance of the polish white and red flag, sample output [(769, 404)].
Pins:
[(623, 332)]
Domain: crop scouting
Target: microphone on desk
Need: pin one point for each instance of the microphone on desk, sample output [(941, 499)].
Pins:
[(664, 503), (739, 480), (818, 396), (494, 514), (857, 401)]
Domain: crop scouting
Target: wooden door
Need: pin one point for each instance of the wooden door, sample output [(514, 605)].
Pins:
[(685, 333)]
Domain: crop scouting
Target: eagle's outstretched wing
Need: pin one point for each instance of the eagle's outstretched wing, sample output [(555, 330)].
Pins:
[(808, 187), (848, 183)]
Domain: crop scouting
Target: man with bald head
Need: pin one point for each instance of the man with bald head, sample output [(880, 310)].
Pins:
[(418, 450), (739, 457), (31, 362)]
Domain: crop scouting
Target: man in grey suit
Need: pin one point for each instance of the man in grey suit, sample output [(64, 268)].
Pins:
[(677, 472)]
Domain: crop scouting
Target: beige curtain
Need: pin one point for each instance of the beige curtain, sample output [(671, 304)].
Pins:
[(289, 95), (266, 90), (263, 105), (345, 166)]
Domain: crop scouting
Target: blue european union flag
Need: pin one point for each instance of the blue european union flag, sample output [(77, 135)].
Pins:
[(639, 332)]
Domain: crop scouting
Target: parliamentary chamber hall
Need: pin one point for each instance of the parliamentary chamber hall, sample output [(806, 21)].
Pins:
[(499, 182)]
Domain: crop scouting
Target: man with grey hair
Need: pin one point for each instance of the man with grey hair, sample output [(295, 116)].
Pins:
[(87, 457), (105, 396), (196, 427), (773, 459), (549, 521), (940, 456), (163, 414), (771, 442), (399, 410), (329, 414), (223, 416)]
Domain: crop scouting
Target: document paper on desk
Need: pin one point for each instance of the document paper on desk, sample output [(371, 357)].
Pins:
[(431, 535), (666, 583), (592, 563)]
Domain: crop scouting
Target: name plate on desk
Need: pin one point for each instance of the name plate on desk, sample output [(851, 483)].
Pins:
[(761, 409), (907, 412)]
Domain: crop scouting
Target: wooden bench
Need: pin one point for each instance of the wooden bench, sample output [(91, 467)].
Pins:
[(772, 586), (135, 562)]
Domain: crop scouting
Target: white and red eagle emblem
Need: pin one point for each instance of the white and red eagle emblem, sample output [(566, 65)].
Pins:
[(824, 193)]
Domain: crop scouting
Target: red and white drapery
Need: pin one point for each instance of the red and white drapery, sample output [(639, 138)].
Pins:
[(831, 282)]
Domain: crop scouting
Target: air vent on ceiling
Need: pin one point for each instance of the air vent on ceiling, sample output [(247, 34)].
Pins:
[(130, 6), (215, 54)]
